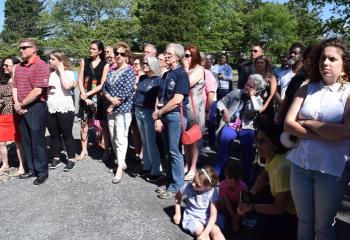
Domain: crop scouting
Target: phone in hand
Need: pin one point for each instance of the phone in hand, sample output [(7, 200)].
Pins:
[(246, 197)]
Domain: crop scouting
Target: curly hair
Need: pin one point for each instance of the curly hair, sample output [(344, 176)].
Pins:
[(315, 75)]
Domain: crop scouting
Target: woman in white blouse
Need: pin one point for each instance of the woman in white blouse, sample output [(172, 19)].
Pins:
[(61, 108), (320, 118)]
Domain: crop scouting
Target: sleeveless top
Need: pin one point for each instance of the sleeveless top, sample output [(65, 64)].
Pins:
[(326, 104), (91, 80)]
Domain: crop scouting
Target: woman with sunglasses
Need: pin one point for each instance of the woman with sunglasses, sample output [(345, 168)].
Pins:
[(145, 101), (119, 91), (92, 74), (8, 127), (195, 109), (263, 67)]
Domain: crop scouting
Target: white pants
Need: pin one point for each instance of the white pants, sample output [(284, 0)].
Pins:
[(118, 125)]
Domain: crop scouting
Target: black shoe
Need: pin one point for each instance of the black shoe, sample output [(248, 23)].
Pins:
[(70, 165), (143, 173), (155, 178), (55, 163), (40, 180), (27, 175)]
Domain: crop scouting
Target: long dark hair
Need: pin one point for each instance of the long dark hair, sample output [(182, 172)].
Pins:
[(100, 47), (4, 78), (273, 132), (315, 75)]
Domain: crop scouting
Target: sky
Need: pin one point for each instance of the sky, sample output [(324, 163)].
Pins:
[(326, 13)]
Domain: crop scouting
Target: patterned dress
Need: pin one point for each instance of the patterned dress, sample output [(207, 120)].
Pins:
[(199, 104)]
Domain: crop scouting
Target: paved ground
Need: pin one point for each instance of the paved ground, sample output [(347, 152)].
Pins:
[(84, 204)]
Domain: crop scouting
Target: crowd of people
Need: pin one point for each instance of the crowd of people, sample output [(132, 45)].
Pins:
[(295, 118)]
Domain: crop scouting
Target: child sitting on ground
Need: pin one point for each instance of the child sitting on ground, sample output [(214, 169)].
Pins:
[(201, 211), (229, 195)]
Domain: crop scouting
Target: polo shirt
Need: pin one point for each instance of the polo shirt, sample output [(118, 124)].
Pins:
[(174, 82), (27, 76)]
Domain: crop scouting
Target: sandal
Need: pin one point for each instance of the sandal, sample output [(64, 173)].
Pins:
[(4, 171), (189, 176), (82, 156), (18, 173)]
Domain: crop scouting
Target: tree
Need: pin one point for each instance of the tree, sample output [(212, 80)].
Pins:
[(273, 25), (23, 19)]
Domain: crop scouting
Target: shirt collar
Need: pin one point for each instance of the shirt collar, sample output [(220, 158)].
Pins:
[(34, 61), (332, 88)]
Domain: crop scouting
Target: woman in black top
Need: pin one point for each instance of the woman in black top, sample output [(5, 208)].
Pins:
[(92, 74)]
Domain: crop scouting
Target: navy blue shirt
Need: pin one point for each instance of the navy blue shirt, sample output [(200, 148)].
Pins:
[(147, 91), (174, 82)]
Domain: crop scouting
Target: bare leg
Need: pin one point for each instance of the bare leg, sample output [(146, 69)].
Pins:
[(216, 233), (20, 156), (136, 138), (187, 158), (194, 156), (4, 157), (106, 139), (84, 140)]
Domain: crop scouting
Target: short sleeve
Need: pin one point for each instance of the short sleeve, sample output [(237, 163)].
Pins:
[(186, 189), (41, 75), (182, 84), (210, 82)]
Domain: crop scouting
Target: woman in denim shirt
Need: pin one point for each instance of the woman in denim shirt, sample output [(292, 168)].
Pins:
[(119, 91), (145, 100)]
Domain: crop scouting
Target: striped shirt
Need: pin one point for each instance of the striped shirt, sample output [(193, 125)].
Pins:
[(28, 76)]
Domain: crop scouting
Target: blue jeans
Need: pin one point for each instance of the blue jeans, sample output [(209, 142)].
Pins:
[(32, 126), (212, 125), (171, 136), (246, 137), (317, 197), (145, 122)]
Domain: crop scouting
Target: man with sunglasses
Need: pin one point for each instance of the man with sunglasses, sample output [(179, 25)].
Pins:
[(248, 68), (30, 83)]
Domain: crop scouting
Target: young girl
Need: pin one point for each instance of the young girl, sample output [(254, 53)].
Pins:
[(201, 211), (229, 195)]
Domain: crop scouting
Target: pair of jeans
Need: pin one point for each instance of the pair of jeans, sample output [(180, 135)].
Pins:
[(246, 138), (61, 124), (118, 125), (32, 126), (212, 125), (145, 122), (317, 197), (172, 135)]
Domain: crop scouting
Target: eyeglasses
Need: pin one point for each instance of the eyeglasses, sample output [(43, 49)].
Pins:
[(187, 55), (123, 54), (168, 54), (25, 47), (254, 51)]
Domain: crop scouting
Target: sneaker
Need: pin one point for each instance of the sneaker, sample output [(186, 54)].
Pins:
[(55, 163), (143, 173), (166, 195), (154, 178), (70, 165), (161, 189)]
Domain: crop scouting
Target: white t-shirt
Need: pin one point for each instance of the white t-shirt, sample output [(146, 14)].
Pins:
[(59, 99), (286, 77)]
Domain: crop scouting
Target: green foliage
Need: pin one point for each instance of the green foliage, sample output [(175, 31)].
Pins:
[(23, 19), (272, 25)]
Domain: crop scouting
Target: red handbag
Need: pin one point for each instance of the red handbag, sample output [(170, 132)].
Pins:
[(193, 134)]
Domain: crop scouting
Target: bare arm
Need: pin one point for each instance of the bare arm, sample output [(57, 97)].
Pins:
[(292, 124), (261, 182), (173, 103), (273, 88), (31, 97), (177, 216), (81, 77)]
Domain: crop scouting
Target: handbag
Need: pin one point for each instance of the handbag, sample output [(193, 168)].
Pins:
[(193, 134)]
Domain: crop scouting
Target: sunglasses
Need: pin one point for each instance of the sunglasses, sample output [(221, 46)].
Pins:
[(254, 51), (24, 47), (123, 54), (188, 55)]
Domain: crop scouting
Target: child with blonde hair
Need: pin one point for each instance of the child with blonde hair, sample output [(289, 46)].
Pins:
[(201, 205)]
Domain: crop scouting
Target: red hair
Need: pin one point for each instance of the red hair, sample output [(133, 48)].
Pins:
[(195, 55)]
